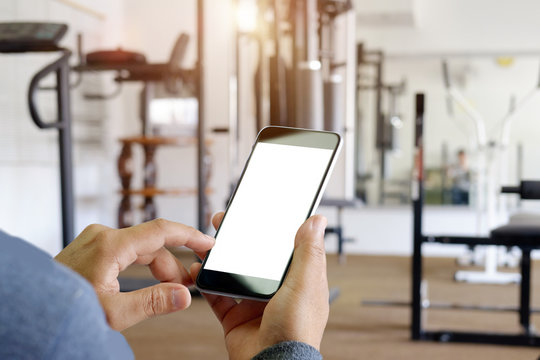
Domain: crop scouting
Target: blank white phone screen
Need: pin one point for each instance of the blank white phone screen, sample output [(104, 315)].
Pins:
[(273, 200)]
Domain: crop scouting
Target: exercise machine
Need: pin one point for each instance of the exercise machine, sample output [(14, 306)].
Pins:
[(304, 74), (132, 67), (489, 155), (522, 231), (524, 234), (32, 37)]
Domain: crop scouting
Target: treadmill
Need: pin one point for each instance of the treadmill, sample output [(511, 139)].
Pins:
[(36, 37)]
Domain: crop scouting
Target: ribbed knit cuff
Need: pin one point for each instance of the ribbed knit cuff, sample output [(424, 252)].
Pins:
[(289, 350)]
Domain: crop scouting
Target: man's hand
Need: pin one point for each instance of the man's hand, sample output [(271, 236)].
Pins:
[(100, 253), (298, 311)]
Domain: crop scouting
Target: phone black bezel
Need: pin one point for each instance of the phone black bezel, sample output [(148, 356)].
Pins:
[(232, 284)]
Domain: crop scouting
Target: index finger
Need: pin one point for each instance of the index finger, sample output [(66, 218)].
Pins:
[(148, 237)]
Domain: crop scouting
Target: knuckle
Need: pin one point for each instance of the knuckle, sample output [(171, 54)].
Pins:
[(92, 228), (104, 237), (103, 240), (154, 303), (160, 223)]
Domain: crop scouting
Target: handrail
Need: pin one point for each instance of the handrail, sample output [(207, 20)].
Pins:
[(34, 87)]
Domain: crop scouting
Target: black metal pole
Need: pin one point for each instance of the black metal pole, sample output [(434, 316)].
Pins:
[(525, 291), (65, 150), (381, 127), (519, 169), (357, 120), (418, 202), (201, 151)]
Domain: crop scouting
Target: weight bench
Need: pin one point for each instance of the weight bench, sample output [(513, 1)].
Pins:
[(524, 231)]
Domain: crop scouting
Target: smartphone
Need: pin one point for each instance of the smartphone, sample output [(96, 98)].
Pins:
[(280, 187)]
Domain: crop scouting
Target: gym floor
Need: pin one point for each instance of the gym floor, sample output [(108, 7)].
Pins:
[(355, 331)]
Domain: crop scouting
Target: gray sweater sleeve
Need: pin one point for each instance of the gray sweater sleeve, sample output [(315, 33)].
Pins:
[(48, 311), (289, 350)]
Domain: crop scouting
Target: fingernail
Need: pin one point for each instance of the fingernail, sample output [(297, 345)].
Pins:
[(177, 298), (210, 238), (319, 224)]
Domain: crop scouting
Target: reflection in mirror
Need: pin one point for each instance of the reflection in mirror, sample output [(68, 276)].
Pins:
[(478, 134)]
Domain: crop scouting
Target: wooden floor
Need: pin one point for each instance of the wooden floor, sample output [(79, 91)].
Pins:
[(356, 331)]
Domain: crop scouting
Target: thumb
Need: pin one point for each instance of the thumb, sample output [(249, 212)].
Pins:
[(132, 307), (309, 260)]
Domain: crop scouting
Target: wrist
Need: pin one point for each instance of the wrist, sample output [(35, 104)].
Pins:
[(294, 331)]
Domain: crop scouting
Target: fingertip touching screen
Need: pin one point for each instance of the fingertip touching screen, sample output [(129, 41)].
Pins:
[(277, 191)]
